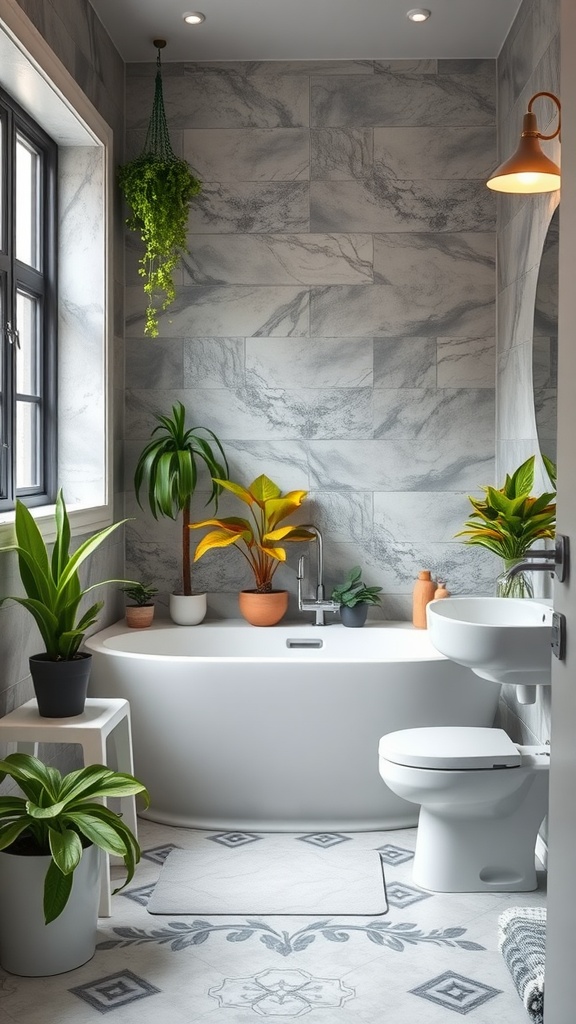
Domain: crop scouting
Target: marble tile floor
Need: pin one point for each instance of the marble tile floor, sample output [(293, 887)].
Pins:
[(431, 959)]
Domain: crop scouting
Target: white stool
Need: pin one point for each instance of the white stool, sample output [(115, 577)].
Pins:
[(102, 717)]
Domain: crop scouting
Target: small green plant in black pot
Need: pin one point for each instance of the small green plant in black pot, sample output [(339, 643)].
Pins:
[(354, 598)]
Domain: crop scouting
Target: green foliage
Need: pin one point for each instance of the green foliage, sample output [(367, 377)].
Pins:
[(260, 535), (58, 816), (509, 519), (550, 468), (159, 190), (353, 591), (167, 469), (52, 585), (140, 593)]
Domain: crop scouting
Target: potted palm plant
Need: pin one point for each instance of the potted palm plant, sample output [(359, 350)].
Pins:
[(354, 598), (509, 519), (167, 470), (50, 840), (140, 613), (53, 596), (259, 539)]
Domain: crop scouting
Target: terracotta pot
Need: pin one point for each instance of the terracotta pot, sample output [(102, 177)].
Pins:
[(263, 609), (139, 616), (60, 686)]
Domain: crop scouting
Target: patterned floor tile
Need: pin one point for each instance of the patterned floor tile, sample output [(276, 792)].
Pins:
[(114, 991), (324, 839), (390, 854), (284, 992), (140, 895), (456, 992), (428, 961), (402, 895), (158, 854), (233, 839)]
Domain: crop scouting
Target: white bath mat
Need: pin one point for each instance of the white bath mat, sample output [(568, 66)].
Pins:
[(279, 878)]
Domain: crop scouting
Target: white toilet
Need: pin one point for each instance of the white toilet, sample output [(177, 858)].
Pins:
[(483, 799)]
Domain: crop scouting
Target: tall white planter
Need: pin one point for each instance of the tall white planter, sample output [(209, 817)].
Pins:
[(188, 610), (30, 948)]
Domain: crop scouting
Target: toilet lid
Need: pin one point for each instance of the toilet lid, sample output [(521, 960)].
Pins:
[(451, 747)]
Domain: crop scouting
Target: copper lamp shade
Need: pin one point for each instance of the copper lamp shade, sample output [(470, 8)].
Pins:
[(529, 170)]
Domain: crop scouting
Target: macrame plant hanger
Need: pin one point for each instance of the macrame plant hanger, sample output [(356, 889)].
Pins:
[(157, 142), (159, 185)]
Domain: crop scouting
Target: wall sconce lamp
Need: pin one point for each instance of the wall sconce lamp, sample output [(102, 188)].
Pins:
[(529, 170)]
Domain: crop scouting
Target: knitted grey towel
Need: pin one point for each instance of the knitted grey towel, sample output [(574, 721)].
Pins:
[(522, 942)]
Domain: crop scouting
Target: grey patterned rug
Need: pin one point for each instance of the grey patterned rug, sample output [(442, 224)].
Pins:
[(270, 878), (522, 942)]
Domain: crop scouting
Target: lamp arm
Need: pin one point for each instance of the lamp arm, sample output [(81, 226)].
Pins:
[(550, 96)]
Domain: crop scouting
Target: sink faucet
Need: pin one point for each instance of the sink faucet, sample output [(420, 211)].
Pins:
[(319, 604), (545, 560)]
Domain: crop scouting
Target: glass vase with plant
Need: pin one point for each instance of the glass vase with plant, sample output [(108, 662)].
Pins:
[(509, 519)]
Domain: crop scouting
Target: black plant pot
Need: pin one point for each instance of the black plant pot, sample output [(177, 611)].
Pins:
[(355, 616), (60, 686)]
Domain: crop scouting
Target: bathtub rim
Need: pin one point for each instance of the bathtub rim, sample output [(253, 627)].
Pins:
[(97, 643)]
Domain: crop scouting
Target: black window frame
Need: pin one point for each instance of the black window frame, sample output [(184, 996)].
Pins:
[(41, 284)]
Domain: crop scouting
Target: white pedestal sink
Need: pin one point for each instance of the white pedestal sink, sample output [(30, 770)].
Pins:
[(504, 639)]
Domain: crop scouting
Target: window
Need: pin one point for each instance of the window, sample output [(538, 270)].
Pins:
[(27, 309)]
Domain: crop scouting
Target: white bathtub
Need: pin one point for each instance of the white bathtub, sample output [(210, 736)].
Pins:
[(236, 727)]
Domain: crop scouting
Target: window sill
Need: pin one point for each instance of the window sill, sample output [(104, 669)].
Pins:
[(82, 520)]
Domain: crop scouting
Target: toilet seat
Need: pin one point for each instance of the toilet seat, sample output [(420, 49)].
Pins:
[(452, 748)]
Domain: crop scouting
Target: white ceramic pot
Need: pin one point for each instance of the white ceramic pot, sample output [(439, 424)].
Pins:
[(30, 948), (189, 610)]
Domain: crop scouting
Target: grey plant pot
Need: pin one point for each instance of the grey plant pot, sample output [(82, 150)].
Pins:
[(30, 948), (355, 616)]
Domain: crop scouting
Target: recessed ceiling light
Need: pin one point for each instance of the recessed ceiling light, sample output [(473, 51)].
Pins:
[(418, 14), (194, 17)]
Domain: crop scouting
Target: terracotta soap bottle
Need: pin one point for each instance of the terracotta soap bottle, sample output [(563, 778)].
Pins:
[(441, 591), (424, 589)]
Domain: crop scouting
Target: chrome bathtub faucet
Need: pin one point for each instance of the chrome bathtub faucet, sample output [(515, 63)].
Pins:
[(319, 605)]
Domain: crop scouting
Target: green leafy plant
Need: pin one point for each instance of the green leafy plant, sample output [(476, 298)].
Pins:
[(140, 593), (259, 537), (353, 591), (509, 519), (52, 584), (159, 190), (167, 470), (59, 816)]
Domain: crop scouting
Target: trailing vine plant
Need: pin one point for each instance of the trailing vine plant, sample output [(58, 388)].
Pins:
[(158, 186)]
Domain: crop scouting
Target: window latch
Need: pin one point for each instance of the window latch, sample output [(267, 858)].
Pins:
[(12, 335)]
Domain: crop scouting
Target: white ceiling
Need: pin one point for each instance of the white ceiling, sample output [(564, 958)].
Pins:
[(306, 29)]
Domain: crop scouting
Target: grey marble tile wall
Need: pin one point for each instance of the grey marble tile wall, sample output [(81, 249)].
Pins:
[(79, 39), (529, 62), (334, 321)]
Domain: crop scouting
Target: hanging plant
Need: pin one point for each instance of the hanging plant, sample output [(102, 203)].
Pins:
[(158, 186)]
